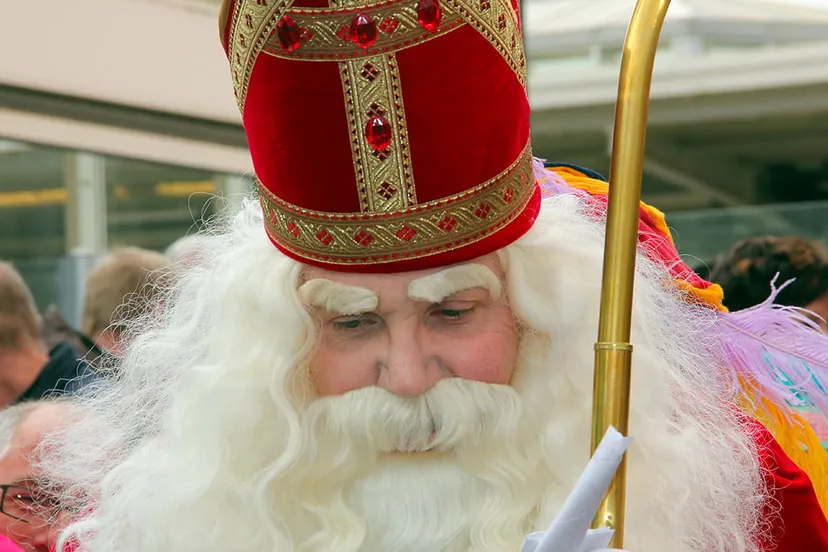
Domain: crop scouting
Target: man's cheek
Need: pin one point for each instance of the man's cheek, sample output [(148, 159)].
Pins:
[(485, 365)]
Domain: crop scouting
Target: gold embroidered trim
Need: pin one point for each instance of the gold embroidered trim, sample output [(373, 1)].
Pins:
[(384, 178), (252, 23), (497, 21), (419, 231), (322, 31), (347, 3)]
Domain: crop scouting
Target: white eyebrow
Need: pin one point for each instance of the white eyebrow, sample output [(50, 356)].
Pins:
[(435, 288), (339, 298)]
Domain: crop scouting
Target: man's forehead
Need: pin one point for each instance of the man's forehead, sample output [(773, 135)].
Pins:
[(44, 419), (13, 466), (14, 460)]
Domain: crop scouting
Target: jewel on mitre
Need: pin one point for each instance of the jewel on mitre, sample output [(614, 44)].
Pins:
[(378, 132), (288, 33), (363, 31), (429, 14)]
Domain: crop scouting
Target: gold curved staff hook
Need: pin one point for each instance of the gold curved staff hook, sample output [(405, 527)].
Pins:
[(613, 351)]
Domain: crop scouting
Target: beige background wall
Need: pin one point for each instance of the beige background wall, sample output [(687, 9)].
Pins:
[(119, 51)]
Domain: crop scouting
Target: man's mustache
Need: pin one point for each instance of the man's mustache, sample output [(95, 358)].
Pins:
[(455, 412)]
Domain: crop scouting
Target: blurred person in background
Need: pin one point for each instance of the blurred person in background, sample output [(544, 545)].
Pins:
[(29, 369), (27, 516), (703, 268), (746, 271), (191, 250), (120, 287), (56, 329)]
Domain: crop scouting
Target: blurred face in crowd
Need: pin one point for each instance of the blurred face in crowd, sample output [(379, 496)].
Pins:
[(820, 308), (26, 511), (405, 332)]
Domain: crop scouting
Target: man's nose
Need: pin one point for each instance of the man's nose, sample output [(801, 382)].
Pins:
[(409, 369), (48, 537), (44, 539)]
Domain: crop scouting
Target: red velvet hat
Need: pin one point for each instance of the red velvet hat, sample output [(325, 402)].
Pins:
[(386, 136)]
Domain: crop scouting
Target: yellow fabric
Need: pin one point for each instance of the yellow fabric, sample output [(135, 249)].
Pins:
[(793, 433), (579, 180), (796, 437), (598, 187), (712, 296)]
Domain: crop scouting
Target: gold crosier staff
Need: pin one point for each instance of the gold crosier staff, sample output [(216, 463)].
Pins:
[(613, 351)]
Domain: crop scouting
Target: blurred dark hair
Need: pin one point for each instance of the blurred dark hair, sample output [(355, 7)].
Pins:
[(704, 268), (746, 271)]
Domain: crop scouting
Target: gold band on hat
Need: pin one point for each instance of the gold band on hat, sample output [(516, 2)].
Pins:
[(418, 231)]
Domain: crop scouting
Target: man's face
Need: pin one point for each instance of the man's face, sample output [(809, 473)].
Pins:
[(405, 332), (34, 532), (414, 374)]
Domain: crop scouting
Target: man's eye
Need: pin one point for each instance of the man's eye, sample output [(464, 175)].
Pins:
[(454, 314), (351, 323)]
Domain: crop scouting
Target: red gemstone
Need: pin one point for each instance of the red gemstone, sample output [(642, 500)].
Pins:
[(288, 33), (363, 31), (429, 14), (378, 132)]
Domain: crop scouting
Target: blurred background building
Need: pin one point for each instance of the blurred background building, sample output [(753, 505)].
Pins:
[(118, 124)]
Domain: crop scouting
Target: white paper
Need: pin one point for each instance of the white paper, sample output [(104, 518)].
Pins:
[(594, 541), (569, 531)]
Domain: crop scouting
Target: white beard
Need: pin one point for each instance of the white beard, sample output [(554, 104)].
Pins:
[(413, 505), (475, 486)]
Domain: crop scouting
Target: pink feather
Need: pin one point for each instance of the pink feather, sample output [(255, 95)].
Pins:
[(780, 348)]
